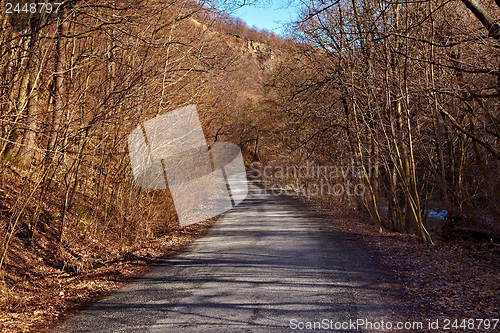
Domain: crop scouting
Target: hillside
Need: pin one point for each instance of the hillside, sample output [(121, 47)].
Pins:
[(384, 115), (73, 224)]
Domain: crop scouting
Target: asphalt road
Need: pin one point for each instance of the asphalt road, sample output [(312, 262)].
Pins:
[(265, 266)]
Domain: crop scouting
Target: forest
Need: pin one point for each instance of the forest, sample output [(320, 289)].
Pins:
[(410, 89), (405, 92)]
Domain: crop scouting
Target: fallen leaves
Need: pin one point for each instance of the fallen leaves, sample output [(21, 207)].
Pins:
[(447, 280), (36, 299)]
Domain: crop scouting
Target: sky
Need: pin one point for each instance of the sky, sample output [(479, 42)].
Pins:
[(270, 17)]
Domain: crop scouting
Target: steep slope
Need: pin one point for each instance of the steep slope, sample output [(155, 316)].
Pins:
[(73, 225)]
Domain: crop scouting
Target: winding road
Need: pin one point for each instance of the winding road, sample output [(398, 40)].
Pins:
[(269, 265)]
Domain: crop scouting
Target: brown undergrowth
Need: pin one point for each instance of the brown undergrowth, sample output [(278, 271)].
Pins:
[(44, 282), (35, 298), (106, 242), (448, 280)]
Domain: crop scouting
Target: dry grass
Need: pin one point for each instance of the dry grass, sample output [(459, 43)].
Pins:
[(37, 297), (448, 280), (106, 243)]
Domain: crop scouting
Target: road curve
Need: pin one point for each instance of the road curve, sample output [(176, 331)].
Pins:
[(265, 266)]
